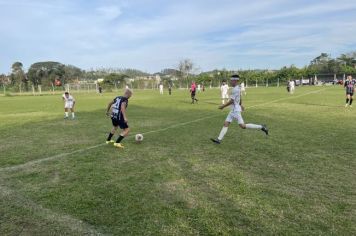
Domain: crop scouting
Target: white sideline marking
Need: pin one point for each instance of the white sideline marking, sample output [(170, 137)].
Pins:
[(34, 162), (68, 221)]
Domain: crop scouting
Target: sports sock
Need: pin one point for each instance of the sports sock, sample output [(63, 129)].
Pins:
[(253, 126), (223, 101), (120, 138), (347, 100), (73, 115), (66, 114), (222, 133), (110, 136), (351, 99)]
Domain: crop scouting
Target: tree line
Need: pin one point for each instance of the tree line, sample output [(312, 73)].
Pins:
[(55, 74)]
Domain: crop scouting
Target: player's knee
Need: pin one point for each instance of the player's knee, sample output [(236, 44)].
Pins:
[(242, 126)]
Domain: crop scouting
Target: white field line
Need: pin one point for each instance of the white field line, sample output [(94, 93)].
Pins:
[(67, 221), (34, 162)]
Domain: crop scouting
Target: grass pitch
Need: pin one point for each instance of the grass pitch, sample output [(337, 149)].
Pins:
[(58, 177)]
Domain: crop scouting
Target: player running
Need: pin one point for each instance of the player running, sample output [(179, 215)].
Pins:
[(118, 115), (69, 103), (235, 113), (224, 89), (350, 88)]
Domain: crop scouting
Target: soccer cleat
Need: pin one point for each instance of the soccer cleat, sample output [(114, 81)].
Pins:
[(110, 142), (217, 141), (350, 106), (346, 105), (265, 129), (66, 117), (118, 145)]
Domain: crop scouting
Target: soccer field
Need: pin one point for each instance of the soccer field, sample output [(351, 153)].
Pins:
[(58, 177)]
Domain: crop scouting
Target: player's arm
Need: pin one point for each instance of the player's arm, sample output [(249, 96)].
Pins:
[(231, 101), (73, 103), (123, 111), (242, 107), (108, 108)]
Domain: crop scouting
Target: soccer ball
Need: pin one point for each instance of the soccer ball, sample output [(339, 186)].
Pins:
[(138, 137)]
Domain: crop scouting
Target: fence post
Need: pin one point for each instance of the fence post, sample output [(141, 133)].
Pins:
[(256, 83), (4, 89), (33, 90), (277, 82)]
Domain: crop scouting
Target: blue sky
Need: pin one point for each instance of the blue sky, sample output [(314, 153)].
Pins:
[(152, 35)]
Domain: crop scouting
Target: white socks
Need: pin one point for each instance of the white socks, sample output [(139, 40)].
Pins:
[(253, 126), (72, 114), (222, 133), (66, 114)]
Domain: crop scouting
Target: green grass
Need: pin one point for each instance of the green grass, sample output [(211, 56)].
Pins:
[(299, 180)]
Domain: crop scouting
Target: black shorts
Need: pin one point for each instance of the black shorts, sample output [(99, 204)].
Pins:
[(351, 94), (193, 93), (121, 123)]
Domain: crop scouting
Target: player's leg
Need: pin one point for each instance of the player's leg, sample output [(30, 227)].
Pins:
[(242, 125), (72, 111), (347, 99), (111, 134), (351, 99), (66, 113), (125, 131), (224, 129)]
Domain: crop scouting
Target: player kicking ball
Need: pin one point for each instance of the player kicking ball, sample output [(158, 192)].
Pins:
[(235, 113), (69, 103), (118, 115)]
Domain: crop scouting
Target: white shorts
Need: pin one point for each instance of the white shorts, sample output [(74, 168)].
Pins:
[(68, 105), (236, 115), (224, 95)]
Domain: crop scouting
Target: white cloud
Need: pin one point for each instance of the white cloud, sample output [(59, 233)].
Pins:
[(151, 35)]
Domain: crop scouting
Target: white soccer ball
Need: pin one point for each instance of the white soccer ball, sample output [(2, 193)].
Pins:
[(138, 137)]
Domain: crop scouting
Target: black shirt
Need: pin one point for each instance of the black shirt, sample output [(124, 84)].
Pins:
[(116, 107)]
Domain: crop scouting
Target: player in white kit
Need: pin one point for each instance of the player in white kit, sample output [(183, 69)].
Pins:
[(235, 113), (243, 88), (292, 86), (69, 103), (224, 89), (161, 89)]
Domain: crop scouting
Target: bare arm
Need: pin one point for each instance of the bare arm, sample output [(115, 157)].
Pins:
[(227, 104), (123, 111), (108, 108)]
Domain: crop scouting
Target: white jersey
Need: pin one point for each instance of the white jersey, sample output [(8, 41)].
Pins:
[(69, 101), (224, 89), (236, 97), (242, 86)]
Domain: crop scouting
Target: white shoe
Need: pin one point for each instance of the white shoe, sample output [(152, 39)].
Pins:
[(346, 105)]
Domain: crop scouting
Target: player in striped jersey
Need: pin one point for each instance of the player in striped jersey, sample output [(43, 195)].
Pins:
[(350, 88), (118, 115)]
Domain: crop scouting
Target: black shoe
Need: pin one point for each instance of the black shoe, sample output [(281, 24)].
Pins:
[(265, 129), (217, 141)]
